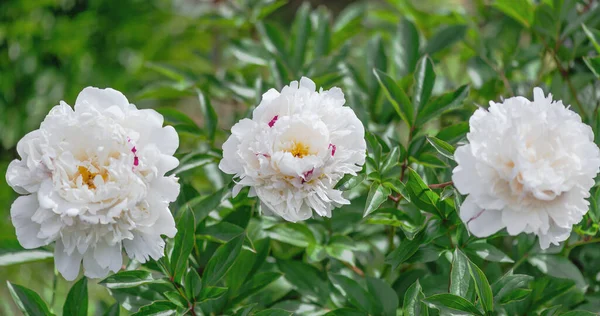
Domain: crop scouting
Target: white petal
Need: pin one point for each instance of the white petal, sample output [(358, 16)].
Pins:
[(21, 212), (481, 222), (91, 268), (100, 99), (67, 265)]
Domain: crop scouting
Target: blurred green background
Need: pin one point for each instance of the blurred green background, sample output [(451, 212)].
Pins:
[(157, 51)]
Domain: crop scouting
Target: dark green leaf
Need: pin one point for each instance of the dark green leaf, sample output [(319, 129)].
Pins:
[(424, 80), (292, 233), (273, 312), (221, 261), (508, 283), (211, 119), (350, 181), (421, 195), (452, 303), (183, 244), (29, 302), (192, 283), (442, 147), (384, 294), (522, 11), (396, 96), (444, 38), (255, 284), (515, 295), (377, 195), (482, 286), (114, 310), (300, 34), (211, 293), (355, 294), (77, 299), (594, 64), (405, 46), (488, 252), (323, 36), (559, 267), (158, 308), (413, 305), (305, 278), (203, 205), (404, 251), (579, 313), (460, 278), (176, 298), (272, 38), (346, 312), (441, 104)]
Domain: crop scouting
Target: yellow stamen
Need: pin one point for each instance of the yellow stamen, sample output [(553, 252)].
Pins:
[(299, 150), (88, 176)]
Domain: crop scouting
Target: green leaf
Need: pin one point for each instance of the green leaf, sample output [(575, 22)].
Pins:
[(132, 298), (546, 289), (413, 297), (350, 181), (424, 80), (209, 114), (221, 232), (579, 313), (203, 205), (377, 195), (508, 283), (158, 308), (384, 294), (452, 304), (183, 244), (442, 147), (176, 298), (272, 38), (559, 267), (488, 252), (211, 293), (192, 283), (345, 312), (305, 279), (522, 11), (323, 36), (593, 35), (460, 278), (421, 195), (77, 299), (482, 286), (396, 96), (222, 260), (28, 301), (292, 233), (391, 160), (441, 104), (11, 253), (273, 312), (126, 279), (453, 133), (405, 45), (300, 33), (355, 294), (594, 64), (515, 296), (113, 310), (255, 284), (444, 38), (404, 251)]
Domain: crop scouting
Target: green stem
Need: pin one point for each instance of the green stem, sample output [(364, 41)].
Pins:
[(54, 286)]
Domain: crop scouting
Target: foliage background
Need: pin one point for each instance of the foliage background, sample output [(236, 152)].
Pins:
[(205, 64)]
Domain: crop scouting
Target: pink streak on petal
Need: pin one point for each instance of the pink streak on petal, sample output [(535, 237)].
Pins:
[(333, 148), (136, 161), (307, 174), (273, 120)]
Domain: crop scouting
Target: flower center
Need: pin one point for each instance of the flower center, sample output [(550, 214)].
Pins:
[(88, 176), (299, 150)]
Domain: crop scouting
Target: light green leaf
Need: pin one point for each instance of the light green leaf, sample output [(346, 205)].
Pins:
[(442, 147), (482, 286), (594, 64), (488, 252), (460, 278), (292, 233), (522, 11)]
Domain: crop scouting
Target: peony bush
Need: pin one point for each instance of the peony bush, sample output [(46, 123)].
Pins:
[(383, 158)]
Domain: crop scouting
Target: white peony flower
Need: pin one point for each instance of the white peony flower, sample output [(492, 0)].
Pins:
[(94, 180), (529, 166), (297, 146)]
